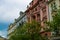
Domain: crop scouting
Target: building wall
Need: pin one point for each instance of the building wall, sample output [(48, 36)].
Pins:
[(50, 11), (38, 11), (41, 11), (50, 8), (57, 3), (19, 21)]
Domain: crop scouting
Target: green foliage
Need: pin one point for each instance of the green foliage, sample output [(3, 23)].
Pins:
[(28, 31), (55, 23)]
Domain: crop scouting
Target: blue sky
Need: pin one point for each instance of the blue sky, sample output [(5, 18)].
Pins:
[(9, 10)]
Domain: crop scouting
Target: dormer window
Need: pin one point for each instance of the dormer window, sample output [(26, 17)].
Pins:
[(27, 6)]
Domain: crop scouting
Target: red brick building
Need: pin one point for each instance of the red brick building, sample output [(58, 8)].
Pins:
[(38, 10)]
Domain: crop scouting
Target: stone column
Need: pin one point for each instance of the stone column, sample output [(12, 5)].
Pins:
[(41, 17)]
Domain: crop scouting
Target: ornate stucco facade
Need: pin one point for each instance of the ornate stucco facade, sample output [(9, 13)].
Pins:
[(37, 11), (41, 11)]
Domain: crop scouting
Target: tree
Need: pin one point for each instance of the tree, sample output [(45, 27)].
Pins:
[(55, 23), (28, 31)]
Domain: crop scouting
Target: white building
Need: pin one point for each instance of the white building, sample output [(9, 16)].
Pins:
[(52, 6), (18, 22)]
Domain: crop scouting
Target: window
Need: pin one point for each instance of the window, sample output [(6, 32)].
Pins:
[(45, 34), (40, 0), (19, 24), (35, 9), (38, 17), (33, 17), (44, 0), (44, 19), (53, 6)]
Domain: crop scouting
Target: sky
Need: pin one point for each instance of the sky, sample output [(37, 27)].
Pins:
[(9, 10)]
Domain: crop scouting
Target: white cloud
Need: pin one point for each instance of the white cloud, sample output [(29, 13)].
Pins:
[(18, 1), (3, 34), (7, 15), (9, 10)]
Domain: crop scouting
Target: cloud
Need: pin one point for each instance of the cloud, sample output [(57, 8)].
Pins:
[(9, 10), (3, 33)]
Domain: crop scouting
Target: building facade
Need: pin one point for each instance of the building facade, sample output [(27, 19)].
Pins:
[(41, 11), (53, 5), (38, 10), (18, 22)]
